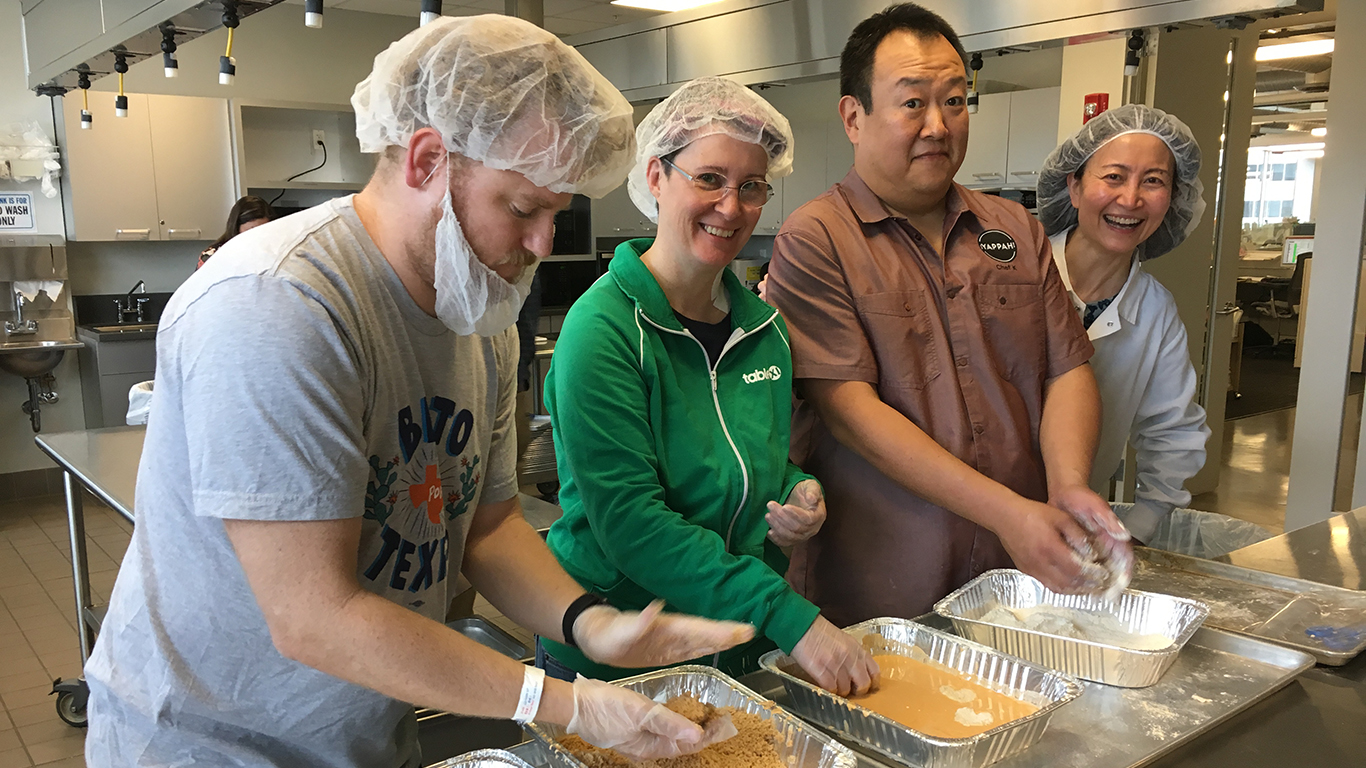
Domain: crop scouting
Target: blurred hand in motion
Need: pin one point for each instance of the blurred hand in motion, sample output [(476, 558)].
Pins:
[(836, 660), (798, 519), (652, 638), (612, 717)]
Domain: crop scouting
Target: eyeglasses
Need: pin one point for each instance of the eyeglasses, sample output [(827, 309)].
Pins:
[(751, 194)]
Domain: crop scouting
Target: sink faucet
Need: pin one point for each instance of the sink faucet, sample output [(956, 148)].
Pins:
[(132, 306), (19, 326)]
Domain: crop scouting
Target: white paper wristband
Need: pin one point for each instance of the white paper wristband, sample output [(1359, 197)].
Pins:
[(533, 685)]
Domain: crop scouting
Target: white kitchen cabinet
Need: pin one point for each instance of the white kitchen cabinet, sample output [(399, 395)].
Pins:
[(984, 165), (193, 165), (839, 153), (164, 172), (807, 179), (771, 219), (1033, 133), (614, 215)]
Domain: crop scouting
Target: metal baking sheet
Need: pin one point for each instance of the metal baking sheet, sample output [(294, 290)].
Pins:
[(1047, 689), (1217, 675), (1143, 613), (489, 635), (799, 745), (484, 758), (1325, 621)]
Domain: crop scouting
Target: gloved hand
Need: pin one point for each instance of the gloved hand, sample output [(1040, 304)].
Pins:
[(836, 660), (612, 717), (652, 638), (1107, 557), (799, 518)]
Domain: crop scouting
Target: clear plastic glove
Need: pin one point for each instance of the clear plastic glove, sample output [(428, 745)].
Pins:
[(612, 717), (1106, 557), (836, 660), (800, 518), (652, 638)]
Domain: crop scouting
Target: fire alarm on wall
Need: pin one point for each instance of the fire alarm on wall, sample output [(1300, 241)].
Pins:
[(1095, 104)]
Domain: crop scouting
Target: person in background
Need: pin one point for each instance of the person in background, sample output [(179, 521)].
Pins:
[(946, 404), (247, 213), (301, 528), (1121, 191), (670, 398)]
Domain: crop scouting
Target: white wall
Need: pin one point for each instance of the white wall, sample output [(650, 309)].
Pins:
[(17, 103), (1096, 67), (277, 57)]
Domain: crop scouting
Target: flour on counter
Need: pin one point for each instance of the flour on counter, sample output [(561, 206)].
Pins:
[(1079, 625)]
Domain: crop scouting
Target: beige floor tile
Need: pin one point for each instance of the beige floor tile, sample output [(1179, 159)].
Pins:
[(20, 597), (34, 713), (26, 697), (66, 669), (25, 613), (33, 678), (52, 638), (45, 730), (70, 762), (14, 758), (9, 740), (70, 745), (60, 658), (13, 666), (50, 617), (15, 646), (16, 577), (8, 625)]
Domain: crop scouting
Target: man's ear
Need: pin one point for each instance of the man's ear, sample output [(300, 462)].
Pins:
[(422, 161)]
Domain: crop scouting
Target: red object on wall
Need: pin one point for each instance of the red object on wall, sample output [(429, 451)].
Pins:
[(1094, 105)]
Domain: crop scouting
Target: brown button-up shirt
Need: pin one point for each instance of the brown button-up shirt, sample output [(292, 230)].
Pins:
[(961, 344)]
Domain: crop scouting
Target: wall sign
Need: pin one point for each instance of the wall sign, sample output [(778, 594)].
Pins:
[(16, 211)]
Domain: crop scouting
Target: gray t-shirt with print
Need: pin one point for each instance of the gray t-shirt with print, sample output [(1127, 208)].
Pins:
[(296, 380)]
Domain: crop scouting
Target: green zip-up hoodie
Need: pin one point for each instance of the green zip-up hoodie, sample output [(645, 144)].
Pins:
[(666, 465)]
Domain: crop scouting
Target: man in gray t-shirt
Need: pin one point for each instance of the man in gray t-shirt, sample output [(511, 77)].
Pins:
[(331, 444)]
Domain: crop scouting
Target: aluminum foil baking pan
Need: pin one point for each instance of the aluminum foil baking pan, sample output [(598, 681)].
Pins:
[(799, 745), (1142, 612), (484, 758), (1045, 688)]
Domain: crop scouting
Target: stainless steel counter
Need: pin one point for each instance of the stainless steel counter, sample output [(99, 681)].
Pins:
[(105, 461)]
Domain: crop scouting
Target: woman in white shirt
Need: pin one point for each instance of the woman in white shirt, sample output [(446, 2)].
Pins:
[(1122, 190)]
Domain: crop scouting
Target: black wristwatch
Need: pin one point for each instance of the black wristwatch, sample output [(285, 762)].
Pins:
[(571, 614)]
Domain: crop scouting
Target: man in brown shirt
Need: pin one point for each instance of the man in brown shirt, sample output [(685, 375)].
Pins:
[(947, 405)]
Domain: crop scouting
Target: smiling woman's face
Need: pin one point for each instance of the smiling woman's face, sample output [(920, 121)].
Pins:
[(1123, 193), (713, 227)]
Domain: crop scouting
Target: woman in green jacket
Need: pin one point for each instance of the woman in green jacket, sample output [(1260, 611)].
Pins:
[(670, 395)]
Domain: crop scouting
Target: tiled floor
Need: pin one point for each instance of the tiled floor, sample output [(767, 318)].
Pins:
[(38, 640)]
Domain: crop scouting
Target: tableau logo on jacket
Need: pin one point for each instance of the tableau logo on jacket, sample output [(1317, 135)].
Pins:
[(771, 373)]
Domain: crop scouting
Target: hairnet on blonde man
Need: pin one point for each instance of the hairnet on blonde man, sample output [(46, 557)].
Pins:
[(502, 92), (705, 107), (1187, 203)]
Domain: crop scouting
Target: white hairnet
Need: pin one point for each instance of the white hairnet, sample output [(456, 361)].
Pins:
[(1188, 202), (703, 107), (505, 93)]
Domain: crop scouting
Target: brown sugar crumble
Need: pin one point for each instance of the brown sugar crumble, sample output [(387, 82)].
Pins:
[(754, 746)]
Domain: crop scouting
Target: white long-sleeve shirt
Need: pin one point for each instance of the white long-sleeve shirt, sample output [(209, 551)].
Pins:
[(1147, 393)]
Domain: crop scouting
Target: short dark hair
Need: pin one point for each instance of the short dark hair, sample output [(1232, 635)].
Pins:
[(856, 62)]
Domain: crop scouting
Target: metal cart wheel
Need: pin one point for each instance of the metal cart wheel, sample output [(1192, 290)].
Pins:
[(72, 696)]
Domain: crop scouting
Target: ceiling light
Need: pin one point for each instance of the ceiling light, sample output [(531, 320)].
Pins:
[(663, 5), (1294, 50), (1319, 132)]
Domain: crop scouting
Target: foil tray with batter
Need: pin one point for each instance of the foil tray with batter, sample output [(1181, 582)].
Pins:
[(799, 745), (1143, 613), (1047, 689)]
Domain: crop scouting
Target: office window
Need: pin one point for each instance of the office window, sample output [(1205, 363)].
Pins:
[(1278, 171), (1249, 209), (1290, 171), (1254, 171)]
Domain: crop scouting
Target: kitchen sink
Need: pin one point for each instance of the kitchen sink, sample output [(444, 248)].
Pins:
[(33, 358), (126, 328)]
